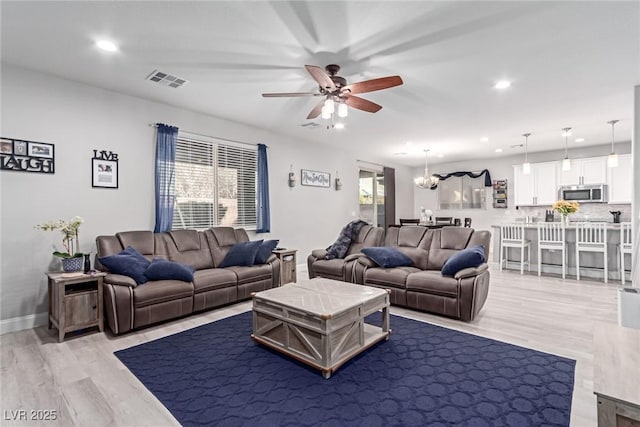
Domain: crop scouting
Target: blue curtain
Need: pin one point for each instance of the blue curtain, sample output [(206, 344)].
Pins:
[(264, 217), (165, 176)]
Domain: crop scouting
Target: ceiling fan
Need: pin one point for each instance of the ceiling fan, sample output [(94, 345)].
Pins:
[(335, 90)]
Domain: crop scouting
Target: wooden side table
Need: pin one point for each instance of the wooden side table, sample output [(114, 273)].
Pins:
[(75, 301), (616, 371), (287, 259)]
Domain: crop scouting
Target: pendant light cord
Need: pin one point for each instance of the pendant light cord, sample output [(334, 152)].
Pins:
[(612, 123)]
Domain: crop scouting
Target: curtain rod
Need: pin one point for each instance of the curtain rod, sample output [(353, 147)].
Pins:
[(209, 136)]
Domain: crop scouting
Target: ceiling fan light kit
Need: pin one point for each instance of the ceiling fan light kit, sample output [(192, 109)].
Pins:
[(335, 90)]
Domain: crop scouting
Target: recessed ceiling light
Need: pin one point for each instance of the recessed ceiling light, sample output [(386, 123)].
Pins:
[(498, 150), (106, 45), (339, 125), (440, 155), (400, 153), (502, 84), (484, 139), (579, 139)]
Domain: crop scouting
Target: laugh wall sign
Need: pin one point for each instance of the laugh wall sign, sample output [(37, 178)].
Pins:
[(26, 156)]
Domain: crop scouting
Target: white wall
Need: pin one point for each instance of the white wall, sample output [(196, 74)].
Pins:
[(78, 119)]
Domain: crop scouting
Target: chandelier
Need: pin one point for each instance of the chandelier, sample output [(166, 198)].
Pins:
[(426, 181)]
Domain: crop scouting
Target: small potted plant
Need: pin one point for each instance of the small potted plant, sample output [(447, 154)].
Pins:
[(71, 260), (565, 208)]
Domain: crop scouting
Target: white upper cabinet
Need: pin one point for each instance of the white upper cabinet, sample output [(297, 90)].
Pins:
[(620, 179), (540, 187), (591, 170)]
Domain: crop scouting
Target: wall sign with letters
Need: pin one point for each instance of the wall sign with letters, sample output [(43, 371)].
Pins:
[(104, 169), (26, 156)]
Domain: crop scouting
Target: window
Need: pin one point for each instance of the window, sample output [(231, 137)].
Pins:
[(216, 185), (461, 193)]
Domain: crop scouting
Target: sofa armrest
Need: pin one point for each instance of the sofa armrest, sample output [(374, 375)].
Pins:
[(353, 257), (119, 279), (319, 253), (471, 271), (367, 262), (271, 258)]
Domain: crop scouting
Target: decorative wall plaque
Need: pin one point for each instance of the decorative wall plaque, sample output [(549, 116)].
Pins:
[(26, 156), (104, 169)]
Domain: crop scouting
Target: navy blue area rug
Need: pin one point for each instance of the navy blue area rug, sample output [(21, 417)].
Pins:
[(425, 375)]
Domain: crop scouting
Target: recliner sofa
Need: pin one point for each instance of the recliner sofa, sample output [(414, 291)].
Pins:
[(130, 306)]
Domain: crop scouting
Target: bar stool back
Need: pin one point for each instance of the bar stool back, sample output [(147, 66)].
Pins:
[(591, 237), (625, 246), (512, 236), (551, 236)]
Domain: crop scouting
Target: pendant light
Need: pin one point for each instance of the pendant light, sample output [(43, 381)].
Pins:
[(526, 166), (566, 162), (612, 160), (426, 181)]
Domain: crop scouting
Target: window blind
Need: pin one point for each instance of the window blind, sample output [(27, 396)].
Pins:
[(215, 185)]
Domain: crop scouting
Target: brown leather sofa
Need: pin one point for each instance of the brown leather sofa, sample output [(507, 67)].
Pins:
[(421, 286), (342, 268), (130, 306)]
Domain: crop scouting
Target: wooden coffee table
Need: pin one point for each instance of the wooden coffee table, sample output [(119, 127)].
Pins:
[(320, 321)]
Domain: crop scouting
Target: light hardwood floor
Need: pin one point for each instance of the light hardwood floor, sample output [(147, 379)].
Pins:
[(85, 383)]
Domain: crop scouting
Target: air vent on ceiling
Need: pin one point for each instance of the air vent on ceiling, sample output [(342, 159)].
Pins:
[(310, 125), (166, 79)]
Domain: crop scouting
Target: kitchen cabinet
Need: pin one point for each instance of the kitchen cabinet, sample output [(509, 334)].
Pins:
[(540, 187), (620, 179), (590, 170)]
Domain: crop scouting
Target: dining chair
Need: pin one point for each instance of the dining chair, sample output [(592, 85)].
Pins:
[(551, 237), (411, 221), (591, 237), (467, 222), (624, 247), (512, 236)]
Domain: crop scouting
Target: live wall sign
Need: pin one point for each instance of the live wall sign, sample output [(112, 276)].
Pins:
[(26, 156)]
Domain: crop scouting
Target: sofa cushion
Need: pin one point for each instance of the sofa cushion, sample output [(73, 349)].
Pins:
[(143, 241), (241, 254), (158, 291), (329, 267), (470, 257), (254, 273), (162, 269), (128, 262), (432, 282), (264, 251), (388, 277), (387, 256), (213, 278)]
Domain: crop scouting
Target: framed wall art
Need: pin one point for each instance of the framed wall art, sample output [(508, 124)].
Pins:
[(26, 156), (104, 169), (315, 178)]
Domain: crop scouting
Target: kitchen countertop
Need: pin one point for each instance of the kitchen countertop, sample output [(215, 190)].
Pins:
[(610, 225)]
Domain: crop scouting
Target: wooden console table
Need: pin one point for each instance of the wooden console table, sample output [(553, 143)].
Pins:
[(616, 375), (75, 301)]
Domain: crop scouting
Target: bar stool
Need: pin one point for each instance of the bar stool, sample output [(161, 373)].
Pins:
[(551, 236), (512, 236), (591, 237), (625, 246)]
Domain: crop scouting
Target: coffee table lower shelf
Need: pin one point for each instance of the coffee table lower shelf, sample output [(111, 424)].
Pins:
[(372, 335)]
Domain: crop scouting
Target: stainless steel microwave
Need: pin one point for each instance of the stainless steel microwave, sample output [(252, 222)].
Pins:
[(584, 193)]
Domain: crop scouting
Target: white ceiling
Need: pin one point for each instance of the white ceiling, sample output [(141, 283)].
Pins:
[(572, 64)]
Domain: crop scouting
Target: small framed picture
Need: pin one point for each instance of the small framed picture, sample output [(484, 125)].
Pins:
[(315, 178), (104, 173), (6, 146), (39, 149)]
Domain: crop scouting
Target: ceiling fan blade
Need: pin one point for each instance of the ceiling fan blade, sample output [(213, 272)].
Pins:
[(362, 104), (281, 95), (374, 84), (316, 110), (321, 77)]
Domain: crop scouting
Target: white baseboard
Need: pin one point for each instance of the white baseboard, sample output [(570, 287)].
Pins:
[(24, 322)]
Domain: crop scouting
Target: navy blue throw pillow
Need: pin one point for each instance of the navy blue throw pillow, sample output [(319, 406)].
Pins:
[(241, 254), (128, 262), (264, 252), (162, 269), (470, 257), (387, 256)]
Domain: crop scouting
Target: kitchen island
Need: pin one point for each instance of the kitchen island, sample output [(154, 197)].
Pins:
[(591, 264)]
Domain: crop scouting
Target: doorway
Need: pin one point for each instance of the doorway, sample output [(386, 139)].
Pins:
[(371, 197)]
